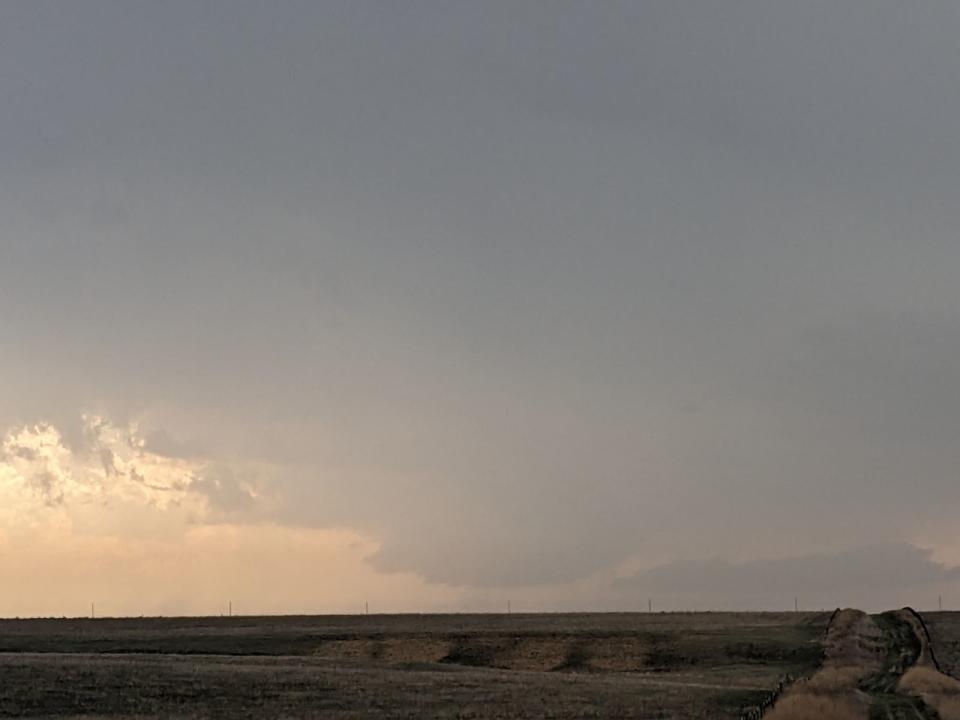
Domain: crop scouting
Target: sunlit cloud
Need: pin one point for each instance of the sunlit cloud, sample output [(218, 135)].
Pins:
[(44, 483), (138, 532)]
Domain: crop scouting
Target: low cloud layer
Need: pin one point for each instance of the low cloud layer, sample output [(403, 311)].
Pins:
[(107, 512), (864, 576), (136, 532)]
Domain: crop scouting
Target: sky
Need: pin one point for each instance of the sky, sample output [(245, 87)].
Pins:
[(434, 305)]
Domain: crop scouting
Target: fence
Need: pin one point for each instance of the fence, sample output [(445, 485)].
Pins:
[(770, 699)]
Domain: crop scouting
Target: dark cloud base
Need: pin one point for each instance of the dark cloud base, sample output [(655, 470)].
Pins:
[(877, 571)]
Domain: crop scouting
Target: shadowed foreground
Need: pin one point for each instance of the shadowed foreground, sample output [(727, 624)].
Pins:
[(944, 630), (875, 667)]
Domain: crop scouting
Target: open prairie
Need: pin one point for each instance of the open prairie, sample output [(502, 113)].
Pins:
[(661, 665)]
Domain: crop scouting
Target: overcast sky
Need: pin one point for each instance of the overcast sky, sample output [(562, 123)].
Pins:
[(435, 304)]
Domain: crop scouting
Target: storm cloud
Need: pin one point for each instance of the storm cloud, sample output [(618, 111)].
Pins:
[(863, 575), (527, 294)]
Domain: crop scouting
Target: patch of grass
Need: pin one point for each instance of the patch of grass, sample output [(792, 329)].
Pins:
[(473, 653), (890, 706), (577, 659), (938, 691)]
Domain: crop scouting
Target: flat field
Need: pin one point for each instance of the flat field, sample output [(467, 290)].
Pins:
[(612, 665)]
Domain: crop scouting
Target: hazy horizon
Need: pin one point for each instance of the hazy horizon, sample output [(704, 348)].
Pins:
[(438, 305)]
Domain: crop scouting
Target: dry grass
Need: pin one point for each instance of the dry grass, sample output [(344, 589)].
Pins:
[(809, 706), (832, 692), (939, 691), (834, 680), (923, 680), (949, 709)]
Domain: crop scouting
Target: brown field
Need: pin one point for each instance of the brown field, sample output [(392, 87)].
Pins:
[(684, 665)]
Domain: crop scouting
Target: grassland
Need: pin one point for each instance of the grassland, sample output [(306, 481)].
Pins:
[(696, 665)]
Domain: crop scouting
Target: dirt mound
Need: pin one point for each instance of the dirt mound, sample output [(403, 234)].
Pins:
[(880, 666), (853, 642), (851, 654)]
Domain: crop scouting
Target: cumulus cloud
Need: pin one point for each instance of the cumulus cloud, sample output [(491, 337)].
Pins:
[(160, 442), (115, 467), (37, 468)]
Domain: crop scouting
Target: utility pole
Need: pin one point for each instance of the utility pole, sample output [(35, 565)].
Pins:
[(230, 609), (796, 605), (366, 607), (92, 613), (508, 607), (940, 601), (649, 605)]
